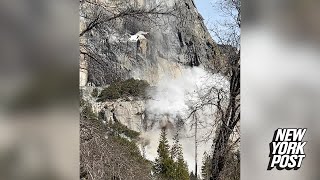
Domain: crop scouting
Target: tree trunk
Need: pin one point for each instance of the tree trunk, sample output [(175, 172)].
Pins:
[(219, 152), (196, 145), (228, 121)]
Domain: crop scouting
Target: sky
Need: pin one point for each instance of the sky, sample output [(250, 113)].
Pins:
[(209, 12), (206, 9)]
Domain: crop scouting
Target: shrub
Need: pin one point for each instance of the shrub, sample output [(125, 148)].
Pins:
[(119, 128), (87, 112), (122, 89), (113, 157), (94, 92)]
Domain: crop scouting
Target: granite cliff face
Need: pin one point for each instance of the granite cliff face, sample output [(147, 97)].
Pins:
[(130, 111), (173, 42), (166, 45)]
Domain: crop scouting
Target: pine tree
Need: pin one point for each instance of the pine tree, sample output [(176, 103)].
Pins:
[(181, 168), (164, 168), (175, 147), (206, 166)]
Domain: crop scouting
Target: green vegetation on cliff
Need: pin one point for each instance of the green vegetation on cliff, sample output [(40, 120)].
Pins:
[(131, 87)]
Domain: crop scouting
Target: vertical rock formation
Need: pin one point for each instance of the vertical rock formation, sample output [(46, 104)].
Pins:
[(175, 41)]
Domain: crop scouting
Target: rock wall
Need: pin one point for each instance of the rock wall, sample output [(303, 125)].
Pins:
[(129, 111), (174, 41), (171, 43)]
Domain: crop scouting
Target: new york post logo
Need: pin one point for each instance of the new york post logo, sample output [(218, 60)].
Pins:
[(286, 149)]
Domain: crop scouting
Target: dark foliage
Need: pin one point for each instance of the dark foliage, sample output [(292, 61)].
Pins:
[(95, 92), (122, 89)]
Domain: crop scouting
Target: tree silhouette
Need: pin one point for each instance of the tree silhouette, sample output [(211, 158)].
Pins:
[(164, 164), (181, 168)]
